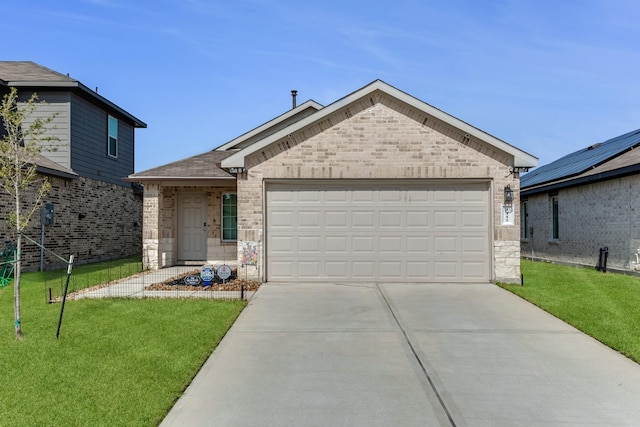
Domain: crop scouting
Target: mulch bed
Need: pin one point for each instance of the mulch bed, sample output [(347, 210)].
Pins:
[(178, 283)]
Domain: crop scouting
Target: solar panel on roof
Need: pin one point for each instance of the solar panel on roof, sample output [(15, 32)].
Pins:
[(582, 160)]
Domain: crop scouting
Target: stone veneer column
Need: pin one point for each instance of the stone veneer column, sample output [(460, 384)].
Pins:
[(151, 227), (507, 261)]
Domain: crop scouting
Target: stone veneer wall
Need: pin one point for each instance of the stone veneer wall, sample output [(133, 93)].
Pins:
[(381, 138), (592, 216), (111, 226)]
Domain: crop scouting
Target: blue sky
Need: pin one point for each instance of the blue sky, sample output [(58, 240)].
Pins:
[(548, 76)]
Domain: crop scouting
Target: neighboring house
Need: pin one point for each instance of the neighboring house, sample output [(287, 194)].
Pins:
[(584, 202), (97, 215), (378, 186)]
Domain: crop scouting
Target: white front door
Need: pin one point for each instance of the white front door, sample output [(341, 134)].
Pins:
[(192, 227)]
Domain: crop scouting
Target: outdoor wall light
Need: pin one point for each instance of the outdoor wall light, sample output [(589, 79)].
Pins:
[(508, 195)]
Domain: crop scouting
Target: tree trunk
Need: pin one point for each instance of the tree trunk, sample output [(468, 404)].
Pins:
[(18, 265), (16, 288)]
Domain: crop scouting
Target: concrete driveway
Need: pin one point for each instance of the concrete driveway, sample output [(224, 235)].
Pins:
[(406, 355)]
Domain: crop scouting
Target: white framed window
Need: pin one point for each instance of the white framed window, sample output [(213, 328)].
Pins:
[(229, 217), (112, 138)]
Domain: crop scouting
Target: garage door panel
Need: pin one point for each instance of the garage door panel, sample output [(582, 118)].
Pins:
[(421, 244), (390, 219), (306, 219), (363, 245), (281, 219), (378, 231), (445, 219), (391, 244), (310, 245), (363, 270), (363, 219), (336, 245), (336, 219)]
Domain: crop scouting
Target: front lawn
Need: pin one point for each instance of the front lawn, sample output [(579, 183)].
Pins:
[(118, 361), (603, 305)]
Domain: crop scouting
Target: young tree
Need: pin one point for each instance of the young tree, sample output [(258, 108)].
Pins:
[(23, 138)]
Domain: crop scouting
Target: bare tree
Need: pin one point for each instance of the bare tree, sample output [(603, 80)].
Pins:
[(23, 139)]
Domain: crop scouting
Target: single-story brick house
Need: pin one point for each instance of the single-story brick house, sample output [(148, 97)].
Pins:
[(377, 186), (583, 202)]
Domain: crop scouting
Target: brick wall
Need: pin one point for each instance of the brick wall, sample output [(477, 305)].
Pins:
[(161, 204), (381, 138), (590, 217), (94, 221)]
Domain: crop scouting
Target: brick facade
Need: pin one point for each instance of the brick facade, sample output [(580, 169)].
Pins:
[(379, 137), (161, 204), (591, 216), (93, 220)]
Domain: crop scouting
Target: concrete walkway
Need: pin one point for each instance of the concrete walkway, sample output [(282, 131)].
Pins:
[(406, 355)]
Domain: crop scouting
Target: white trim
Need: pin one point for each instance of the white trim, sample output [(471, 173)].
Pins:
[(231, 144), (520, 158)]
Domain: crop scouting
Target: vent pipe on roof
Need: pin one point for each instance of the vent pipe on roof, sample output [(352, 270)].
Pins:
[(294, 93)]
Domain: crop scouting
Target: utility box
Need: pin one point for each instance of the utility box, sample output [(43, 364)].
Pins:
[(46, 214)]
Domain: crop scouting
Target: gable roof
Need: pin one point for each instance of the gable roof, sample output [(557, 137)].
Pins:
[(301, 111), (521, 158), (27, 74), (591, 161)]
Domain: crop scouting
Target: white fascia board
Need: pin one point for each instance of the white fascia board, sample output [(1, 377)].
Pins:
[(231, 144), (521, 158)]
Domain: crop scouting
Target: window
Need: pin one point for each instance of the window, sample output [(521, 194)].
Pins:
[(112, 143), (229, 217), (525, 219), (555, 235)]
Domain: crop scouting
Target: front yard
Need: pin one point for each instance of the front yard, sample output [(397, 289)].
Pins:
[(117, 362), (603, 305)]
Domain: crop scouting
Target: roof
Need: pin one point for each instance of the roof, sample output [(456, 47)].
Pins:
[(520, 158), (205, 166), (305, 109), (593, 160), (27, 74), (49, 167)]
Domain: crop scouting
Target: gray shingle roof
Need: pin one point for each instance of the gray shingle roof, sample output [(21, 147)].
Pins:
[(201, 166), (27, 74), (27, 71), (581, 161)]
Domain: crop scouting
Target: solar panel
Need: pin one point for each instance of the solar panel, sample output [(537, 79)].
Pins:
[(582, 160)]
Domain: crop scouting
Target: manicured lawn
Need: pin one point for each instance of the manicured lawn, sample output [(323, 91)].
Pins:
[(603, 305), (117, 362)]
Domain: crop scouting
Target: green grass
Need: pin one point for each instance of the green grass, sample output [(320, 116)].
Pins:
[(606, 306), (87, 275), (118, 362)]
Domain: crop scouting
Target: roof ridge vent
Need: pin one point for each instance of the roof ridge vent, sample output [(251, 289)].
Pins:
[(591, 147)]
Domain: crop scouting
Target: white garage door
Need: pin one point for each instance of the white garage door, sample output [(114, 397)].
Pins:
[(378, 231)]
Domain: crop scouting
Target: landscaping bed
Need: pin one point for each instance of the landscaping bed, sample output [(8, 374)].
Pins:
[(180, 283)]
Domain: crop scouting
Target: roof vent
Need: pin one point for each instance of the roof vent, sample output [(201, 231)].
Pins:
[(597, 144), (294, 93)]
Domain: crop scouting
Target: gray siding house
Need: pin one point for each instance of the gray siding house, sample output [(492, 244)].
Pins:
[(584, 202), (378, 186), (97, 214)]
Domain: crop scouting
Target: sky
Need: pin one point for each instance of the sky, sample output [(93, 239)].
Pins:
[(547, 76)]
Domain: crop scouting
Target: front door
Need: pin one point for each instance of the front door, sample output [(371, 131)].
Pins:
[(192, 227)]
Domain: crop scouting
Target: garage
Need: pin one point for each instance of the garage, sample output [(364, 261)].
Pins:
[(378, 230)]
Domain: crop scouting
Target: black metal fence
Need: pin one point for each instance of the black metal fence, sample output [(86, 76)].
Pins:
[(128, 280)]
